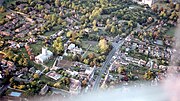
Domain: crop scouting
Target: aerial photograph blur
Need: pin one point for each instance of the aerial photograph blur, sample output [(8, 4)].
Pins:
[(89, 50)]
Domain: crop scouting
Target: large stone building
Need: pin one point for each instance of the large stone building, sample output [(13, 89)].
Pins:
[(44, 56)]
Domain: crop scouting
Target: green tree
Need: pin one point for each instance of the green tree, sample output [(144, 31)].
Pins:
[(113, 29), (29, 1), (10, 54), (15, 58), (20, 62), (53, 17), (58, 46), (25, 62)]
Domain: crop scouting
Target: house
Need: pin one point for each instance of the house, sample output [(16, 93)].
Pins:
[(20, 29), (75, 86), (29, 50), (73, 73), (10, 65), (142, 62), (90, 72), (10, 16), (44, 90), (53, 75), (44, 56), (74, 49), (3, 33)]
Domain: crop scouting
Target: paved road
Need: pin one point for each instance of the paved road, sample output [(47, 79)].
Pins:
[(106, 63)]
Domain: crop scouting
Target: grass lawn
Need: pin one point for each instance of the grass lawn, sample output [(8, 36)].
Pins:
[(50, 62), (2, 15), (93, 48), (171, 31), (36, 48), (46, 79), (85, 45), (50, 33)]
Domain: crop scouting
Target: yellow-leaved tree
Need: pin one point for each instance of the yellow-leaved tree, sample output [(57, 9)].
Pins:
[(103, 45)]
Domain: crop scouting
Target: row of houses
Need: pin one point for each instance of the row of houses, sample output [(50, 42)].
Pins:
[(29, 51)]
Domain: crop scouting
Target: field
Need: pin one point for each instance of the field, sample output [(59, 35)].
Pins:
[(36, 48), (50, 62), (170, 32), (89, 47)]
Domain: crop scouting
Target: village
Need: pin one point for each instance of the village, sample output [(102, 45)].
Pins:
[(52, 47)]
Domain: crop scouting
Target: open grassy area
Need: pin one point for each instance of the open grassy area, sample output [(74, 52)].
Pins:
[(50, 33), (171, 31), (91, 46), (50, 62), (2, 15), (44, 78), (36, 48)]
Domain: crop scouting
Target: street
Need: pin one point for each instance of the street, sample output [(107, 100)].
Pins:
[(104, 67)]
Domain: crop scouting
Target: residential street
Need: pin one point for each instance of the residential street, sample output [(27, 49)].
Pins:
[(116, 46)]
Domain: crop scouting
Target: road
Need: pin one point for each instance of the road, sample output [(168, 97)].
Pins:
[(106, 63)]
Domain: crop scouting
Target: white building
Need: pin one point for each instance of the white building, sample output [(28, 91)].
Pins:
[(75, 49), (44, 56), (148, 2)]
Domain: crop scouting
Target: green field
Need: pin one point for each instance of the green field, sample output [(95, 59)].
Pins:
[(36, 48), (171, 31), (50, 62)]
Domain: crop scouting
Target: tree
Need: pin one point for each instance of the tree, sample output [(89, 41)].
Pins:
[(108, 21), (67, 81), (25, 63), (2, 9), (15, 58), (57, 3), (177, 7), (120, 70), (130, 23), (29, 1), (57, 85), (20, 62), (69, 34), (21, 87), (103, 45), (84, 83), (59, 21), (86, 61), (113, 29), (103, 2), (95, 28), (91, 56), (94, 22), (53, 17), (36, 76), (58, 46), (10, 54), (148, 75)]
